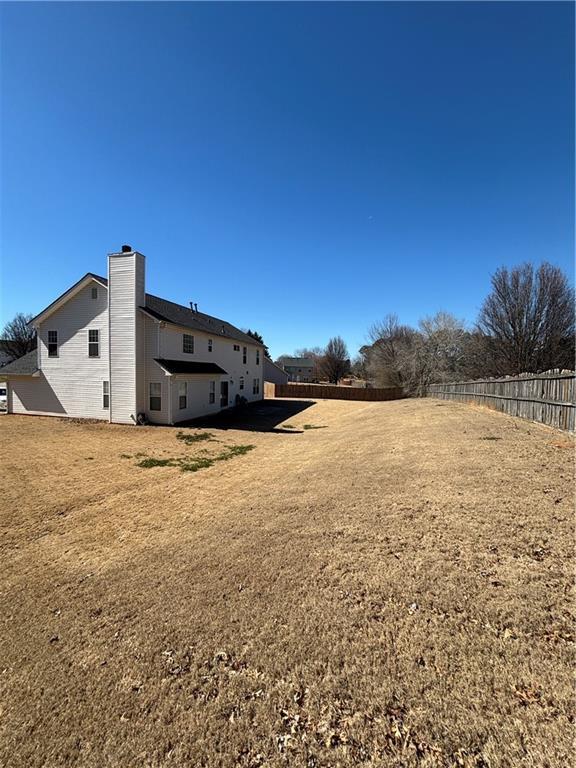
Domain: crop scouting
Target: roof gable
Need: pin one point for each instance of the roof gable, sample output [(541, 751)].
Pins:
[(67, 295)]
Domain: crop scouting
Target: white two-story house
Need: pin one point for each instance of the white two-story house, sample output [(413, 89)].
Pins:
[(108, 350)]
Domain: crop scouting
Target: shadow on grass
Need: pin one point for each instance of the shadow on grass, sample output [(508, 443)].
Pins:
[(263, 416)]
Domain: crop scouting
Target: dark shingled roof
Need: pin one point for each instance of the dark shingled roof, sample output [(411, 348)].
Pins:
[(176, 314), (23, 366), (188, 366)]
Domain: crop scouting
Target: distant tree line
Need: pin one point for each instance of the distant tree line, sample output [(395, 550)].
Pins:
[(526, 324)]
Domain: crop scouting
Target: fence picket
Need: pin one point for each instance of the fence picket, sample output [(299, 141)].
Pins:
[(548, 398)]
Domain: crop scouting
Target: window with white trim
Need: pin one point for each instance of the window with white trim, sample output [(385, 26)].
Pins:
[(210, 345), (256, 387), (182, 394), (241, 382), (155, 396), (212, 394), (257, 357), (94, 293), (93, 343), (244, 355), (105, 394), (188, 343), (236, 347), (52, 343)]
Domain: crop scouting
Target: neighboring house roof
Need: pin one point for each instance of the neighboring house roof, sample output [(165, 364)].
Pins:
[(23, 366), (164, 310), (188, 366), (267, 361), (298, 362)]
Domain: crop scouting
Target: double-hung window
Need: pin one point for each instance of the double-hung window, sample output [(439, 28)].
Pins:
[(93, 343), (256, 387), (244, 355), (182, 393), (210, 345), (236, 347), (94, 293), (187, 343), (52, 343), (257, 357), (212, 394), (105, 394), (155, 396), (241, 382)]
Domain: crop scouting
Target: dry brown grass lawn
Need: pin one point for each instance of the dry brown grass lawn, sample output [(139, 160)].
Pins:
[(391, 590)]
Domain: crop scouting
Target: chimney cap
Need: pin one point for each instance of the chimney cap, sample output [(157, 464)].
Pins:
[(126, 249)]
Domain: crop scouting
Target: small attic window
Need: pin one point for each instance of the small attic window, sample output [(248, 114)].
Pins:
[(94, 293)]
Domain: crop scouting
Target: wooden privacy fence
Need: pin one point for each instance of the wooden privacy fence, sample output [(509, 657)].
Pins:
[(546, 397), (327, 392)]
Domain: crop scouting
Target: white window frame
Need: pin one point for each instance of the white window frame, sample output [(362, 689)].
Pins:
[(212, 393), (155, 393), (210, 345), (188, 343), (93, 342), (257, 357), (54, 342), (241, 382), (182, 395), (94, 292), (236, 347), (256, 387), (106, 395), (244, 355)]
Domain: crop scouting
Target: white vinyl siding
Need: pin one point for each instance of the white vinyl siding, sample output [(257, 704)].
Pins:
[(71, 383), (126, 283)]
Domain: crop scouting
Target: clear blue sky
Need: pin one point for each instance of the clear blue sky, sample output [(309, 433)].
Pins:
[(302, 169)]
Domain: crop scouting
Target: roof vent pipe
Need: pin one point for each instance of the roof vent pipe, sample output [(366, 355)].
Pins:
[(192, 306)]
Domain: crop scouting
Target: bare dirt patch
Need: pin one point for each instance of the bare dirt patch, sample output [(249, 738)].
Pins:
[(393, 589)]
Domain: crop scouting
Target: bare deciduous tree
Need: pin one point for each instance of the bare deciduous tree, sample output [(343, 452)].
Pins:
[(18, 337), (336, 360), (388, 356), (529, 317), (401, 356)]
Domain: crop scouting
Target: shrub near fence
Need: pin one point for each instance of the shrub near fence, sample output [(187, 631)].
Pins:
[(326, 392), (548, 397)]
